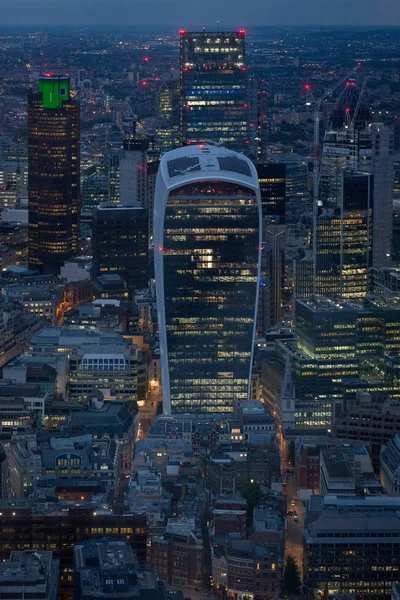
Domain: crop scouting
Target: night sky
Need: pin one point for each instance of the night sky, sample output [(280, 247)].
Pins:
[(195, 13)]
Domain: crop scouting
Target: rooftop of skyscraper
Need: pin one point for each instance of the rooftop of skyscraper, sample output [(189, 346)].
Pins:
[(211, 160)]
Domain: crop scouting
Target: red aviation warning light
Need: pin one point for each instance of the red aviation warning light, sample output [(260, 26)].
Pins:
[(307, 86), (182, 31), (242, 31)]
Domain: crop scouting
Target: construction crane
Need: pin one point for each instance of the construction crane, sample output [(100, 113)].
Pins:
[(311, 101)]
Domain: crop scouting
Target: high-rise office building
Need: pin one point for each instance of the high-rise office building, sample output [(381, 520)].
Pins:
[(352, 143), (133, 172), (272, 277), (380, 164), (120, 243), (340, 347), (272, 180), (344, 240), (207, 236), (13, 183), (53, 174), (214, 88)]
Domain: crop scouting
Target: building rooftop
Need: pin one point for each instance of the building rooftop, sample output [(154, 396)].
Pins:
[(327, 305), (211, 161)]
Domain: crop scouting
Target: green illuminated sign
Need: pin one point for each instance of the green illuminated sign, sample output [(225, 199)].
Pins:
[(54, 90)]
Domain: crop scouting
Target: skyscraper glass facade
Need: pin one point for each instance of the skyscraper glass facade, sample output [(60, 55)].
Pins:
[(207, 231), (211, 239), (214, 89), (344, 240), (53, 174), (272, 180), (120, 243)]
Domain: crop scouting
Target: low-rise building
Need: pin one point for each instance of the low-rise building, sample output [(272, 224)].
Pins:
[(246, 569), (147, 496), (15, 417), (110, 420), (351, 545), (28, 574), (34, 397), (227, 469), (55, 525), (96, 361), (177, 557), (229, 516), (45, 301), (39, 369), (372, 419), (256, 417), (84, 458), (25, 468), (108, 568), (308, 461), (347, 469)]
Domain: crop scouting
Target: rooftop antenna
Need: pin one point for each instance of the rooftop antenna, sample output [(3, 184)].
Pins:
[(218, 26), (204, 29)]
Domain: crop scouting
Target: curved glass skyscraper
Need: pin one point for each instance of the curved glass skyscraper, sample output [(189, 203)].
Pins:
[(207, 234)]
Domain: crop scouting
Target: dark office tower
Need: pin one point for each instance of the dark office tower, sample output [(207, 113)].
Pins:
[(214, 102), (120, 243), (272, 277), (272, 180), (344, 240), (207, 235), (133, 171), (53, 174)]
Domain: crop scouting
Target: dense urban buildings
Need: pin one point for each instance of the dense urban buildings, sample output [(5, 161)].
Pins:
[(214, 89), (282, 448), (207, 249), (53, 174)]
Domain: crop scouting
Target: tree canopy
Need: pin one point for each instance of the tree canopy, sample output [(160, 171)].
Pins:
[(291, 578)]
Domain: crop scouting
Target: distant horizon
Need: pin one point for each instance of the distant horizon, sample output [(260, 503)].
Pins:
[(163, 14), (209, 27)]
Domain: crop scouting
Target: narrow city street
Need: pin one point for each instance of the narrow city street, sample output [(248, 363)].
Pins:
[(294, 537)]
